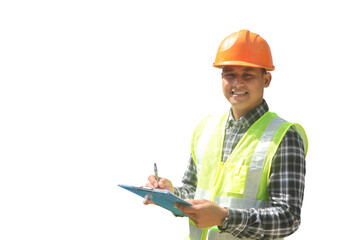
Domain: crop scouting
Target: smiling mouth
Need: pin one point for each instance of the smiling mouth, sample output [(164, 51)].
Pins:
[(239, 93)]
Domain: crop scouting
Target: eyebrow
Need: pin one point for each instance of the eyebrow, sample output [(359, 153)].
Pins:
[(227, 70)]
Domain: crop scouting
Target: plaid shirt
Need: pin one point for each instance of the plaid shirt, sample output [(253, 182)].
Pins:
[(286, 184)]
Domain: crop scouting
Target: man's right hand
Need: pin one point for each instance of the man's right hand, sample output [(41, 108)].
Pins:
[(163, 183)]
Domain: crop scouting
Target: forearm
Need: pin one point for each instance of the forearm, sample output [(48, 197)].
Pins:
[(274, 222)]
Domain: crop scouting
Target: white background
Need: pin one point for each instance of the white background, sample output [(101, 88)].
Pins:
[(92, 93)]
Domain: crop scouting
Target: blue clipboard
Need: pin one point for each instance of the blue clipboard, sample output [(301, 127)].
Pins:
[(163, 198)]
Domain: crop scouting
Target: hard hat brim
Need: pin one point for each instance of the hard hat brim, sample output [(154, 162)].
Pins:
[(241, 63)]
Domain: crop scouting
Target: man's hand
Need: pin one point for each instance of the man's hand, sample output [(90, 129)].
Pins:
[(163, 183), (204, 213)]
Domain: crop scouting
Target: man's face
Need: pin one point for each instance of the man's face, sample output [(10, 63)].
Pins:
[(244, 87)]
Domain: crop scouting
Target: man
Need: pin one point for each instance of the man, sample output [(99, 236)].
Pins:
[(246, 172)]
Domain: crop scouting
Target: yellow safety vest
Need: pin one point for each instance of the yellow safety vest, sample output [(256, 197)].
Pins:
[(242, 181)]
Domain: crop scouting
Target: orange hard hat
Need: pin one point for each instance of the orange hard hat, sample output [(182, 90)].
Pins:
[(244, 48)]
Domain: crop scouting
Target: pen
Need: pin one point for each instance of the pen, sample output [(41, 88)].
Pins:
[(156, 173)]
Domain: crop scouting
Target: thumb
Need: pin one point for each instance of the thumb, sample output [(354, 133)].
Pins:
[(196, 201)]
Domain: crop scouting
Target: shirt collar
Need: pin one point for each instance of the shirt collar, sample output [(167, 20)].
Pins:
[(250, 118)]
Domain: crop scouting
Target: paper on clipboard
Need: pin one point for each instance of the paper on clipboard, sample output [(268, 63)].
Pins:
[(163, 198)]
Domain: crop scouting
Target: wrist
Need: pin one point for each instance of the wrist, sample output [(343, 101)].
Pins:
[(225, 220)]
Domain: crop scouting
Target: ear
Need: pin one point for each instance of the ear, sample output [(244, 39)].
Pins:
[(267, 79)]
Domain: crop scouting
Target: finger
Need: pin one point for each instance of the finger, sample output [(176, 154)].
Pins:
[(178, 206), (153, 182), (149, 185), (184, 208), (148, 199), (148, 202), (197, 201), (193, 218), (164, 183)]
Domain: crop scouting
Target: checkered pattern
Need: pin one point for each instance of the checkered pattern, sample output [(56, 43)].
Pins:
[(286, 184)]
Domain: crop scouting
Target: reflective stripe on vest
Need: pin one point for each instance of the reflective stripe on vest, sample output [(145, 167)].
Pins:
[(240, 182), (258, 159)]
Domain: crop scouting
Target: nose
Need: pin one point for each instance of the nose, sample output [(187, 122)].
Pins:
[(238, 80)]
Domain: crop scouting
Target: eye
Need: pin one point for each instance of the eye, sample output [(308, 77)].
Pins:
[(229, 76), (248, 75)]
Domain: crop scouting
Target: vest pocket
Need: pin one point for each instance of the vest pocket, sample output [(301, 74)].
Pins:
[(236, 178)]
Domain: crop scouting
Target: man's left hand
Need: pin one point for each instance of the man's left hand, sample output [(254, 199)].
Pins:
[(203, 213)]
